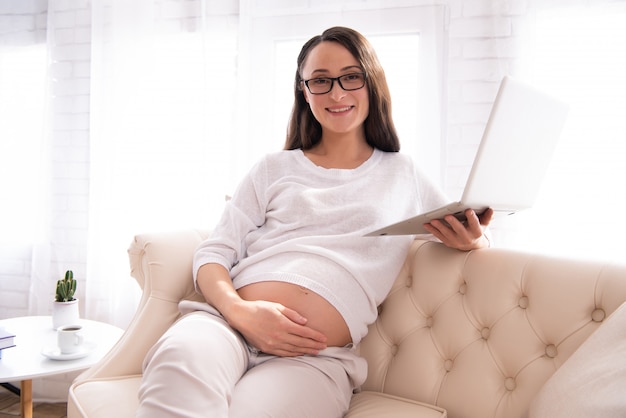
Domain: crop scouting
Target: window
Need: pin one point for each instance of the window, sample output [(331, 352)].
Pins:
[(579, 56)]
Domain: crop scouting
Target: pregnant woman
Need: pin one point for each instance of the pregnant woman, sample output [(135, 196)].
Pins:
[(290, 282)]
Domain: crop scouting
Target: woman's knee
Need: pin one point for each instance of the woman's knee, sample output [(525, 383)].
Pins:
[(289, 388), (192, 369), (197, 339)]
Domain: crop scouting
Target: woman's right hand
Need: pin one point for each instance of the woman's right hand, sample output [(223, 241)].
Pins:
[(274, 329), (268, 326)]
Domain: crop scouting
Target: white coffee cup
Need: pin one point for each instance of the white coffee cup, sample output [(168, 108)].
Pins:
[(70, 338)]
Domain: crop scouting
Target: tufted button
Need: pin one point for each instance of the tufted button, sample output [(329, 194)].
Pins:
[(463, 288), (509, 383), (598, 315), (394, 350), (485, 333), (523, 302), (409, 281), (448, 365), (429, 321), (551, 351)]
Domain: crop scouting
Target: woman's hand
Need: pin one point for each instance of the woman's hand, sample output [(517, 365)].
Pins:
[(275, 329), (270, 327), (465, 236)]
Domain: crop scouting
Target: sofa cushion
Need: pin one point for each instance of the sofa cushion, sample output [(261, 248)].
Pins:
[(375, 405), (592, 382), (106, 398)]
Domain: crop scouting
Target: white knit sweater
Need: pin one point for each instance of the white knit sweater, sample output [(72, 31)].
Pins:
[(296, 222)]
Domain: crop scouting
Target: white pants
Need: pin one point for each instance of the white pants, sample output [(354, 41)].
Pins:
[(201, 367)]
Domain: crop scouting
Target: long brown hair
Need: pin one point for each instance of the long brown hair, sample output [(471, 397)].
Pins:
[(304, 131)]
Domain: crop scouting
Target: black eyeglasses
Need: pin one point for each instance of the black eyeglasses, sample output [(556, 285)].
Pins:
[(323, 85)]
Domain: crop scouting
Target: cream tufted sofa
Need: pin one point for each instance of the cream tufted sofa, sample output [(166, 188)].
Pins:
[(470, 335)]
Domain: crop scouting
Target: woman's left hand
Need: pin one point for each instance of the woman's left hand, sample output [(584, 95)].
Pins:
[(465, 236)]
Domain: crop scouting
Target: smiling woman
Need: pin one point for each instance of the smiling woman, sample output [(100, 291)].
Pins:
[(341, 111), (408, 41), (292, 225)]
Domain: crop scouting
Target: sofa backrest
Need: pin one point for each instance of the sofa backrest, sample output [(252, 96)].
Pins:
[(479, 333)]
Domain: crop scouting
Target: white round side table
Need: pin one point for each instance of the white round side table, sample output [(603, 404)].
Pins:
[(34, 336)]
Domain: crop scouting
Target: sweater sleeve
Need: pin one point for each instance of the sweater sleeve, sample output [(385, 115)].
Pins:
[(244, 213), (429, 194), (430, 197)]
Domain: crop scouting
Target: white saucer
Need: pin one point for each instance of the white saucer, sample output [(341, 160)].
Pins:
[(54, 353)]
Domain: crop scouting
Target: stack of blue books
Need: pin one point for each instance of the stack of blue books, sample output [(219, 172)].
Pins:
[(7, 340)]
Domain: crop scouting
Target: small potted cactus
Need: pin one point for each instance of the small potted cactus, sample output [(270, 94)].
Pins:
[(66, 288), (65, 308)]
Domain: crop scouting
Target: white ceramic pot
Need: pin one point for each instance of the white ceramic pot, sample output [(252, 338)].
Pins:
[(65, 313)]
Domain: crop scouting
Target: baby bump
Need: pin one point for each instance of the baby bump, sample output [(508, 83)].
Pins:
[(320, 314)]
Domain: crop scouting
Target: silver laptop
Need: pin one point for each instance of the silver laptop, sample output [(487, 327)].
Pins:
[(512, 159)]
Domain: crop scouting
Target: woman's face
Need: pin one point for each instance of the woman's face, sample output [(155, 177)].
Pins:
[(338, 111)]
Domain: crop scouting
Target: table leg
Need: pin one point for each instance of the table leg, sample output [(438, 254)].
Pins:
[(26, 398)]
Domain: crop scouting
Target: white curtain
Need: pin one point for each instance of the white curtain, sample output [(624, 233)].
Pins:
[(38, 127), (162, 92), (25, 171)]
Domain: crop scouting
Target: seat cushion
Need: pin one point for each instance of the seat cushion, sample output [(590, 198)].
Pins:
[(105, 398), (592, 382), (376, 405)]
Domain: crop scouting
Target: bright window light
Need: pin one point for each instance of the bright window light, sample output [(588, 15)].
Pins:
[(22, 97), (579, 57)]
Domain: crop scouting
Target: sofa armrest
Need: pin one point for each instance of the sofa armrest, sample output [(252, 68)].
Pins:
[(162, 265)]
